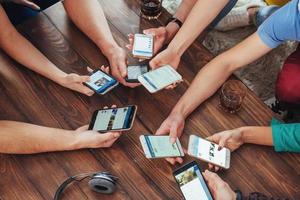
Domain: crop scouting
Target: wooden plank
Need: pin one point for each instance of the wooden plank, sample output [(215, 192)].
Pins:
[(207, 119), (82, 110)]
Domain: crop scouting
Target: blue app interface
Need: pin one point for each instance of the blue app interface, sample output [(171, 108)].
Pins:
[(100, 81), (113, 119), (192, 184)]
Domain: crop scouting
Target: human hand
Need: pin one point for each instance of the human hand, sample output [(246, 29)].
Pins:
[(219, 188), (173, 125), (75, 82), (166, 57), (118, 65), (27, 3), (159, 34), (92, 139), (231, 139)]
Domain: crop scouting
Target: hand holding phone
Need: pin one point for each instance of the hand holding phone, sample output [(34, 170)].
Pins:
[(156, 146), (113, 119), (191, 182), (101, 82), (159, 78), (209, 152), (142, 46)]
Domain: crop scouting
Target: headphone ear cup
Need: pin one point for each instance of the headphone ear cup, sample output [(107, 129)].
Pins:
[(101, 185)]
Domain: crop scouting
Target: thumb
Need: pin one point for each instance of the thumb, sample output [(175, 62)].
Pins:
[(123, 69), (110, 136), (155, 62), (223, 141), (173, 134), (31, 5), (163, 130), (79, 79), (83, 128)]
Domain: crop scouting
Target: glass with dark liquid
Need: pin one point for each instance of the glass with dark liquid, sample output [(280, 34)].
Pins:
[(151, 9), (232, 95)]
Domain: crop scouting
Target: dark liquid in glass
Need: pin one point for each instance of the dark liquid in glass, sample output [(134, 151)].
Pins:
[(231, 102), (151, 9)]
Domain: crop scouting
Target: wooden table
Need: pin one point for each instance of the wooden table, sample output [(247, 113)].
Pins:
[(28, 97)]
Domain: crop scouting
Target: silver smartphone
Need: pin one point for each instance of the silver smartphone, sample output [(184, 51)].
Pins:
[(156, 146), (160, 78), (208, 152), (143, 46)]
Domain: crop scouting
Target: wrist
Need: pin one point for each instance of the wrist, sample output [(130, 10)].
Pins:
[(244, 134), (76, 141), (171, 28), (109, 49), (180, 110)]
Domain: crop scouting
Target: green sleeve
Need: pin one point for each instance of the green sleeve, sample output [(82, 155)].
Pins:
[(286, 137)]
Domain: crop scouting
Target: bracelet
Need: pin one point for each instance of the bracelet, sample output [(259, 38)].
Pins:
[(175, 20)]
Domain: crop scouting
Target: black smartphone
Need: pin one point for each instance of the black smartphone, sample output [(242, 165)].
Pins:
[(101, 82), (192, 183), (134, 71), (113, 119)]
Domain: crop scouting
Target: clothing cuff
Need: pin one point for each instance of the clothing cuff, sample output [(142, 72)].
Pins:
[(277, 142), (266, 39)]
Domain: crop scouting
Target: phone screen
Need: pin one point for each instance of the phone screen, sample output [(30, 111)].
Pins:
[(192, 183), (160, 78), (113, 119), (160, 146), (208, 151), (143, 45), (100, 82), (134, 71)]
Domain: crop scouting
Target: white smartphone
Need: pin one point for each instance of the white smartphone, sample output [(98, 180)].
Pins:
[(156, 146), (142, 46), (209, 152), (101, 82), (159, 78)]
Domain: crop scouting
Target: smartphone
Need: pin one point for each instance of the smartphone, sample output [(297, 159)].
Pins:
[(142, 46), (159, 78), (209, 152), (113, 119), (134, 71), (191, 182), (157, 146), (101, 82)]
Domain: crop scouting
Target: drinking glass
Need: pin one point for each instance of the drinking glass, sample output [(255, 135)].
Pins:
[(232, 95), (151, 9)]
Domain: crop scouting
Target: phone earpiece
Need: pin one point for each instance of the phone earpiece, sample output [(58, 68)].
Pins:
[(100, 182)]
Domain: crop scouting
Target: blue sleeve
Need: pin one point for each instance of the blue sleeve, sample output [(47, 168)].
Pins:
[(280, 26), (286, 137)]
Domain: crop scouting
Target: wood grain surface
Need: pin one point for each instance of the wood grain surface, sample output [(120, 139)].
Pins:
[(28, 97)]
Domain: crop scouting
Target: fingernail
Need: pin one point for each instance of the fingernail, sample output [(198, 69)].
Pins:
[(116, 135)]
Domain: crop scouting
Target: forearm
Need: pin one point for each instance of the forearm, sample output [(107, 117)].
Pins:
[(205, 84), (201, 15), (182, 12), (257, 135), (215, 73), (23, 138), (89, 18), (15, 45)]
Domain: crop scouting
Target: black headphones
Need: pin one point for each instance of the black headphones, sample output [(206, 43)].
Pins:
[(101, 182)]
